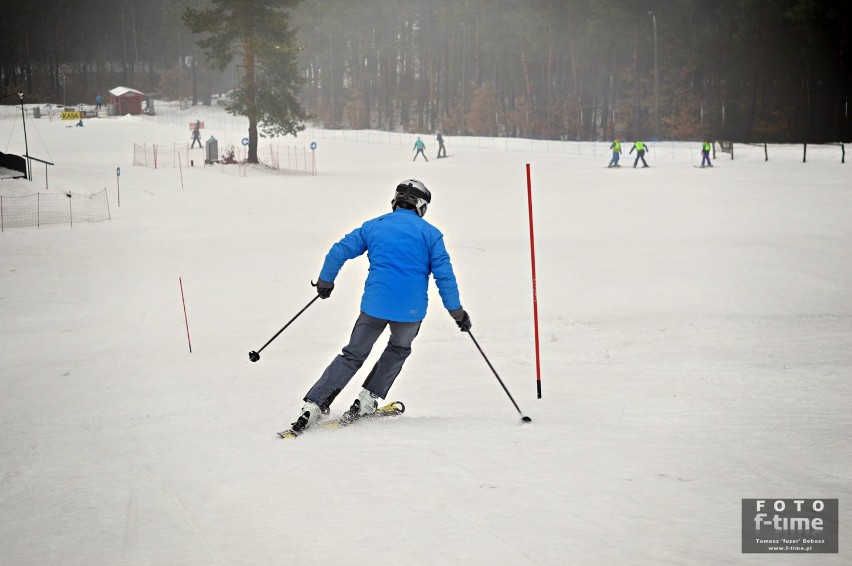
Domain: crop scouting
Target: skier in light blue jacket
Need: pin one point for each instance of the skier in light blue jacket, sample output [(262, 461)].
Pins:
[(419, 149), (403, 250)]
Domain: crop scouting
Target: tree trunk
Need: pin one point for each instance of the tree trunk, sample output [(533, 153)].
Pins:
[(251, 97)]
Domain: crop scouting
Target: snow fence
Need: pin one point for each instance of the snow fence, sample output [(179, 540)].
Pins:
[(53, 208)]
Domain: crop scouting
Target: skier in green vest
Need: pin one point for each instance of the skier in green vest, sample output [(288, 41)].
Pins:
[(640, 148), (705, 154), (616, 152)]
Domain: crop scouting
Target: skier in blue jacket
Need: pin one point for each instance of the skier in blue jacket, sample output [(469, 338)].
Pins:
[(403, 251), (419, 149)]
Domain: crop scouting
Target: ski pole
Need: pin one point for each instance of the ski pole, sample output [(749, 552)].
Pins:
[(255, 355), (524, 418)]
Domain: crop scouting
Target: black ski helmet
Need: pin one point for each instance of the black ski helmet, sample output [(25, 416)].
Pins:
[(413, 194)]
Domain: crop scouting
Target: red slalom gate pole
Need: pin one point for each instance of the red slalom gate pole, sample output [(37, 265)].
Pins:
[(534, 287), (183, 300)]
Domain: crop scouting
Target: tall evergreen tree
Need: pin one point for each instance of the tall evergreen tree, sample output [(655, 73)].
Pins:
[(259, 31)]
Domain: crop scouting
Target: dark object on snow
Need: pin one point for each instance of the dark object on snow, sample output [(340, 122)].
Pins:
[(15, 163)]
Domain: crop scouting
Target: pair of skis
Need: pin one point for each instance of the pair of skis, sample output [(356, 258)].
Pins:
[(392, 409)]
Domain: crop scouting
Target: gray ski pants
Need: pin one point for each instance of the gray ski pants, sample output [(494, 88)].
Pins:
[(364, 335)]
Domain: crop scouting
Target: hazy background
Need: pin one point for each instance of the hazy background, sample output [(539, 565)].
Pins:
[(549, 69)]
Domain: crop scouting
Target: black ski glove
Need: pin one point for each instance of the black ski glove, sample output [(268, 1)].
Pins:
[(462, 319), (324, 288)]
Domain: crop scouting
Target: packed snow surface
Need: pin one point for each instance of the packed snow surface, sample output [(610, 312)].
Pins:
[(695, 334)]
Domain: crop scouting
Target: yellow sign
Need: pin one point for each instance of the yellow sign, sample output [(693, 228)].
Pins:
[(71, 116)]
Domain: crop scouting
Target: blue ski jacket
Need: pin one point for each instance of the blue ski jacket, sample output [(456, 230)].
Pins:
[(403, 250)]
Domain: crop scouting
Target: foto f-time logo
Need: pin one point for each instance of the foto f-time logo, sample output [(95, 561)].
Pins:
[(790, 525)]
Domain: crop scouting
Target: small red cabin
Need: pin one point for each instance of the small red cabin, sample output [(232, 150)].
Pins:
[(126, 100)]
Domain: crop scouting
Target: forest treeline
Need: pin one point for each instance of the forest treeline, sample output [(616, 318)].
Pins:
[(744, 70)]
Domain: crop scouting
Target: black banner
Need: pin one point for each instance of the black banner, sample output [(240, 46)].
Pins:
[(807, 526)]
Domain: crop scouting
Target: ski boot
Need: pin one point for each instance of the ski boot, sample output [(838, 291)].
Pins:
[(309, 415), (365, 405)]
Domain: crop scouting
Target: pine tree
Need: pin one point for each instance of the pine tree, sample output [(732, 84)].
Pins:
[(259, 31)]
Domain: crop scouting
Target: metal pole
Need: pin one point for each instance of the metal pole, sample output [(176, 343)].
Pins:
[(255, 355), (461, 114), (524, 418), (183, 300), (656, 81), (26, 145)]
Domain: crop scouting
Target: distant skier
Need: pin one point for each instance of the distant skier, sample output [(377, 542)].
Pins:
[(640, 148), (419, 146), (99, 100), (403, 251), (616, 152), (442, 150), (196, 135), (705, 154)]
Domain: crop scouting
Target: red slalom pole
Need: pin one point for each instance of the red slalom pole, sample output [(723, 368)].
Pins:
[(183, 300), (534, 287)]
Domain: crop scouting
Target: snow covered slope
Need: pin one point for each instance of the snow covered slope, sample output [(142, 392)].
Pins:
[(695, 350)]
